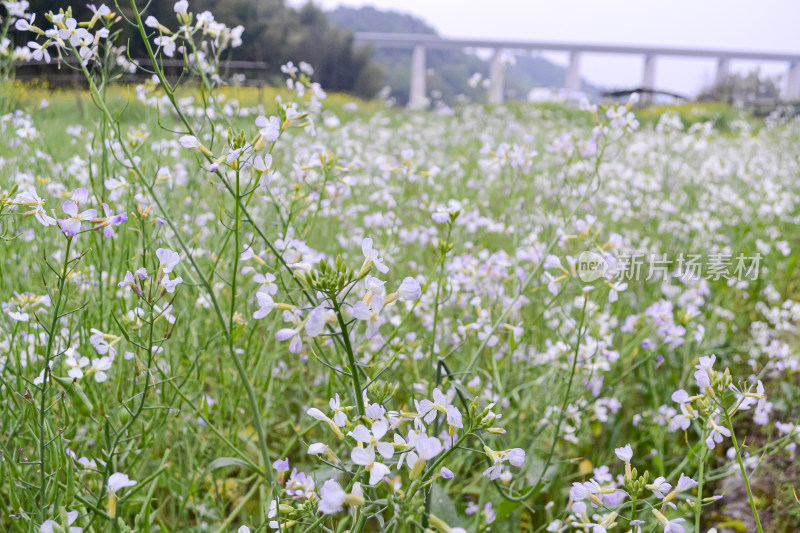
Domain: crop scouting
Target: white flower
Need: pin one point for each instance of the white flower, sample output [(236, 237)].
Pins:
[(102, 11), (265, 304), (584, 491), (168, 259), (119, 481), (515, 456), (72, 32), (409, 289), (270, 128), (322, 417), (35, 204), (266, 280), (373, 437), (319, 448), (370, 314), (262, 163), (373, 411), (99, 367), (702, 379), (616, 288), (296, 342), (427, 447), (428, 409), (660, 487), (24, 25), (371, 254), (333, 498), (366, 457), (100, 343), (75, 362), (182, 6), (170, 284), (340, 416), (190, 141), (289, 68), (306, 68), (716, 434), (71, 225), (625, 454), (39, 51), (316, 321), (685, 483), (166, 312), (670, 526), (440, 216), (167, 44), (48, 526), (705, 371), (293, 335)]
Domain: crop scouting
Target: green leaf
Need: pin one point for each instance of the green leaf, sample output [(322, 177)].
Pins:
[(237, 332), (506, 507), (534, 465), (222, 462), (443, 507)]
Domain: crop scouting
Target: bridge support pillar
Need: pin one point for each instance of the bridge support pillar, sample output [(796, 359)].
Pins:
[(496, 77), (648, 78), (416, 94), (573, 81), (793, 82), (723, 70)]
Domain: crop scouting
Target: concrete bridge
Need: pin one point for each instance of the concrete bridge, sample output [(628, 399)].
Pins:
[(420, 43)]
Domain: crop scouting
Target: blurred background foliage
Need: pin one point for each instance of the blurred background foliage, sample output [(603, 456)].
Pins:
[(276, 33)]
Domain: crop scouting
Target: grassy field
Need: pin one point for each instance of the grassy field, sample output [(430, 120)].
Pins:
[(308, 313)]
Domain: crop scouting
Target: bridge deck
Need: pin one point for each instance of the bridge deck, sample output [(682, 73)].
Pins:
[(410, 40)]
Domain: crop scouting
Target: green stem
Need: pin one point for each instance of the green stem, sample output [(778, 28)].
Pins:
[(62, 279), (257, 423), (432, 362), (434, 467), (530, 276), (313, 526), (659, 435), (561, 416), (699, 501), (236, 223), (351, 358), (171, 97), (750, 498)]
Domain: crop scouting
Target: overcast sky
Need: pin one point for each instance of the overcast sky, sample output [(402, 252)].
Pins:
[(764, 25)]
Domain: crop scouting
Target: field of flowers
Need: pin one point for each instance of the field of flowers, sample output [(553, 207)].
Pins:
[(302, 315)]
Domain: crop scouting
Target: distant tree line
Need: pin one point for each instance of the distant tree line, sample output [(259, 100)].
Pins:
[(274, 33), (743, 88)]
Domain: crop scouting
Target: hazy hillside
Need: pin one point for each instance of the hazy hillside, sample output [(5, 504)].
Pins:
[(451, 69), (371, 19)]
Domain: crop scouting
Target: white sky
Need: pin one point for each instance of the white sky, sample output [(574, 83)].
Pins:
[(764, 25)]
